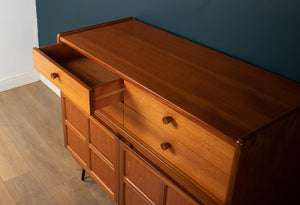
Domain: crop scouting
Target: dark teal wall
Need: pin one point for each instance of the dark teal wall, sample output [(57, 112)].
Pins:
[(265, 33)]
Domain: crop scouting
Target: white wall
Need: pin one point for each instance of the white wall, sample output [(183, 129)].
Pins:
[(18, 34)]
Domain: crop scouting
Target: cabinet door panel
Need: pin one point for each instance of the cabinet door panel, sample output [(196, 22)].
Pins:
[(76, 117), (142, 177), (103, 140), (145, 184), (104, 172), (131, 197), (77, 145), (93, 146), (177, 197), (104, 161)]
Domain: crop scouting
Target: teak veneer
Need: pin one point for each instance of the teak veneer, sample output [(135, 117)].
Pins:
[(158, 119)]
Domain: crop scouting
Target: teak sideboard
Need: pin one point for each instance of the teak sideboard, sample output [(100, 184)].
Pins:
[(158, 119)]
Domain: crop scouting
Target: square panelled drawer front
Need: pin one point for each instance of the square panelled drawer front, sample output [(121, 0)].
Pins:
[(85, 82)]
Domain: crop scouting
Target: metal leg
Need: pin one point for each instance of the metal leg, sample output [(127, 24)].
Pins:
[(82, 175)]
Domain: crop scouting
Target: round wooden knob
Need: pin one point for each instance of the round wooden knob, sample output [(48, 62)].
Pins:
[(165, 145), (54, 75), (166, 120)]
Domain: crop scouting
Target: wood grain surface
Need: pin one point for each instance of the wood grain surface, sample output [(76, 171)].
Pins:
[(175, 196), (208, 177), (85, 82), (104, 141), (142, 182), (93, 146), (218, 151), (68, 83), (225, 129), (226, 94), (75, 117), (142, 177), (115, 111), (104, 173)]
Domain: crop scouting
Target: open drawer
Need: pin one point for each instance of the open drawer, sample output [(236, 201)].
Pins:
[(86, 83)]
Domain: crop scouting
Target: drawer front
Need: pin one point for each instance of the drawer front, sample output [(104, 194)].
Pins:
[(209, 146), (73, 88), (182, 158)]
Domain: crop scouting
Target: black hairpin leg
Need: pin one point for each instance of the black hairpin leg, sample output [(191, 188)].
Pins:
[(82, 175)]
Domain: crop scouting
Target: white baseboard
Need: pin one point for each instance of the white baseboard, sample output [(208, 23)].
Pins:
[(50, 85), (19, 80)]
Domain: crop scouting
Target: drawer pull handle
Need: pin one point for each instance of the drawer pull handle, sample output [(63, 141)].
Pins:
[(166, 120), (165, 145), (54, 75)]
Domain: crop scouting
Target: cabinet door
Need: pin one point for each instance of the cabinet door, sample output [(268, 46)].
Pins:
[(141, 183), (93, 147), (104, 161), (75, 125)]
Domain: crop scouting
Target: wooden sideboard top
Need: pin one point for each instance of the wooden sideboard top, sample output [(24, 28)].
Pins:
[(226, 94)]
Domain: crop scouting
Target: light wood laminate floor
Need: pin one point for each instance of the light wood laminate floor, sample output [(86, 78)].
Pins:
[(35, 168)]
